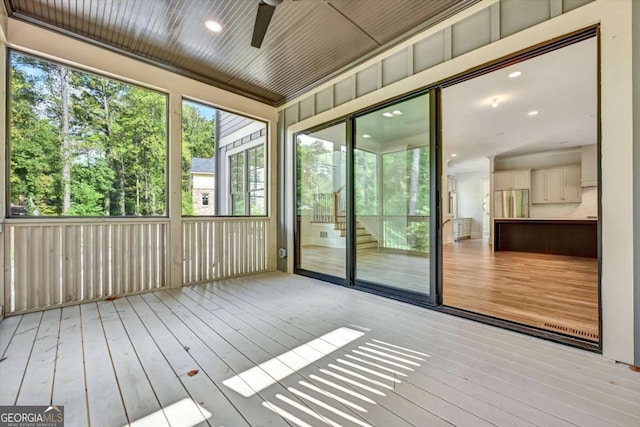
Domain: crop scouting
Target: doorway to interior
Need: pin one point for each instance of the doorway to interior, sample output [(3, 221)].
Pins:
[(364, 201), (512, 239), (527, 131)]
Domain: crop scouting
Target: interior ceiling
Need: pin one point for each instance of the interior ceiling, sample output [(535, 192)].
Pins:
[(307, 40), (560, 85)]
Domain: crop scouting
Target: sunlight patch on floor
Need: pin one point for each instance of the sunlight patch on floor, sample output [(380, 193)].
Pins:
[(258, 378)]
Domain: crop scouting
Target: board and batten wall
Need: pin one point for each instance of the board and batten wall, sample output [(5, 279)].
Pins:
[(482, 33), (176, 262)]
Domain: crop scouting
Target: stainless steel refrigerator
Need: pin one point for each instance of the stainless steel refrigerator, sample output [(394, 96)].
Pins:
[(511, 204)]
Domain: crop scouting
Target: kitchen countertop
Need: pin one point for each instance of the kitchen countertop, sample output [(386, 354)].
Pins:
[(556, 236)]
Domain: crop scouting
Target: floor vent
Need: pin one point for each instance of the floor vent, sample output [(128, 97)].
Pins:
[(571, 331)]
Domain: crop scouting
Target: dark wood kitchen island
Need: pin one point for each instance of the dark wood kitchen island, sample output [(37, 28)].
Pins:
[(574, 237)]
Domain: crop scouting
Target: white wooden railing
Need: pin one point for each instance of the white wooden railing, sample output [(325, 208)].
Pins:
[(57, 262), (218, 248)]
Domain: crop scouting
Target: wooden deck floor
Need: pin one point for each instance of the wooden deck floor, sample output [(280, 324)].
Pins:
[(127, 361)]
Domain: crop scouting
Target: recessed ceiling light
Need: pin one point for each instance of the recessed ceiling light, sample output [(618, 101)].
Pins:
[(387, 114), (366, 135), (533, 113), (515, 74), (494, 102), (397, 112), (213, 26), (454, 155)]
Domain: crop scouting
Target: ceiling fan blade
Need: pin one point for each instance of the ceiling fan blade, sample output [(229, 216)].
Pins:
[(265, 12)]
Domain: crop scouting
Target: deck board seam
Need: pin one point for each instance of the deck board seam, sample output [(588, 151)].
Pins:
[(115, 374), (15, 402), (55, 360)]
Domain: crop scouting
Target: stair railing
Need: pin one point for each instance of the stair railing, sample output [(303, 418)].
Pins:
[(339, 204)]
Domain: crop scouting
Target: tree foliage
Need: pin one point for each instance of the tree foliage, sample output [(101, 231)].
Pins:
[(85, 145)]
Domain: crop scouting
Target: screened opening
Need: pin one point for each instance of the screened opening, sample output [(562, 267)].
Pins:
[(83, 144), (223, 156)]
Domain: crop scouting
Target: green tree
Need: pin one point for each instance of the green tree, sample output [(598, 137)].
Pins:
[(83, 144), (35, 153)]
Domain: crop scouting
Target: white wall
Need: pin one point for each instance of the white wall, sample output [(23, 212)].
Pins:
[(616, 131), (471, 199), (3, 22)]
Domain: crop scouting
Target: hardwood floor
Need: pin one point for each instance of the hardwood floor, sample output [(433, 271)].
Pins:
[(129, 361), (553, 292)]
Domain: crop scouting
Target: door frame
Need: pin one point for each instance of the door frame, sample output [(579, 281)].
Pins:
[(436, 274), (433, 298), (520, 56)]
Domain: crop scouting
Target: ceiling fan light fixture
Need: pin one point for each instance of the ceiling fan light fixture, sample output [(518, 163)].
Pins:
[(387, 114), (213, 26)]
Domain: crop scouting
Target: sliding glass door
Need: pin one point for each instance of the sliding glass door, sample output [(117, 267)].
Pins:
[(365, 197), (321, 201), (391, 165)]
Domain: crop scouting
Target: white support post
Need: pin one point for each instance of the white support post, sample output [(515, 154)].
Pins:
[(272, 182), (3, 164), (175, 190)]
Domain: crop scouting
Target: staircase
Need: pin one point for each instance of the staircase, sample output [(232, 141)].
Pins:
[(364, 239)]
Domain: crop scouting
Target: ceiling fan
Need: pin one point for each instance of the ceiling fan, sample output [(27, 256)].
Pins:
[(263, 18)]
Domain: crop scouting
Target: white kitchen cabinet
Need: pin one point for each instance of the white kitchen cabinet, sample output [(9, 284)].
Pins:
[(461, 228), (589, 165), (512, 180), (556, 185), (538, 184)]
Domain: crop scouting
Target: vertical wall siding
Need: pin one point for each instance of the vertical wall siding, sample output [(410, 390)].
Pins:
[(218, 248), (496, 21), (50, 264)]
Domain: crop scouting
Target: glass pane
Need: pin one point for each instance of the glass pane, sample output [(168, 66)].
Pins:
[(321, 201), (237, 204), (391, 169), (82, 144), (256, 203), (198, 159)]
